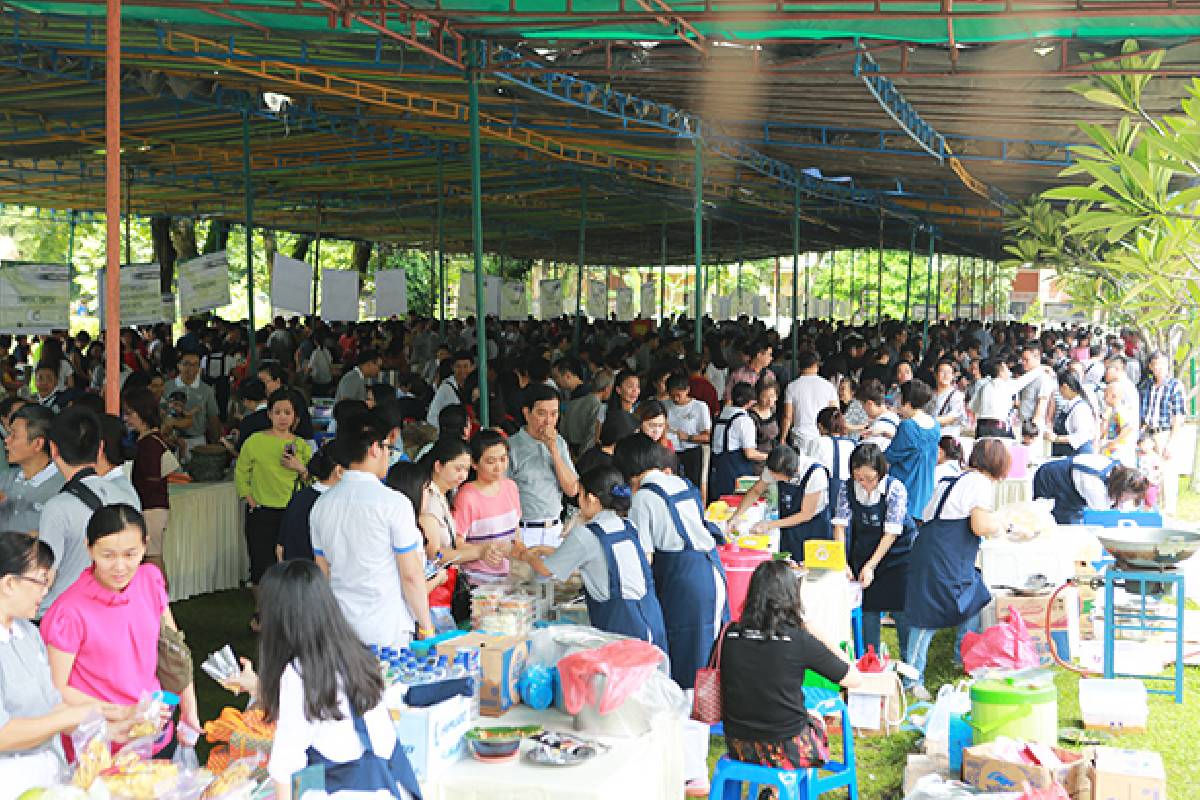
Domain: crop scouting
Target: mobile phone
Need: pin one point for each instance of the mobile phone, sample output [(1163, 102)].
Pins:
[(289, 449)]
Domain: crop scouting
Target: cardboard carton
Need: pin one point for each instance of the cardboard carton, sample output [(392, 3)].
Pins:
[(874, 705), (1128, 775), (501, 659), (432, 737), (984, 770), (1065, 623)]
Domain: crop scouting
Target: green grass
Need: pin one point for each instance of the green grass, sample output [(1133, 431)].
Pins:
[(211, 621)]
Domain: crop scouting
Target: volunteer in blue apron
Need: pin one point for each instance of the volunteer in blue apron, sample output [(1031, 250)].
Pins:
[(1088, 481), (734, 443), (1074, 429), (945, 588), (617, 583), (834, 448), (323, 688), (872, 511), (688, 575), (802, 484)]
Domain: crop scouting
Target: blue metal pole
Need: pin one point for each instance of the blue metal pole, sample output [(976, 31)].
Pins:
[(583, 198), (912, 246), (698, 235), (441, 249), (792, 329), (477, 230), (248, 189)]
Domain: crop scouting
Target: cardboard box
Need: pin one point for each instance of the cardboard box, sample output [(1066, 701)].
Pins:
[(501, 659), (1128, 775), (874, 705), (1064, 619), (432, 737), (984, 770), (919, 765)]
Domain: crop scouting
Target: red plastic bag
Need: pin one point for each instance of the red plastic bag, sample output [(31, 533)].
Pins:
[(871, 662), (625, 664), (1004, 646), (1052, 792)]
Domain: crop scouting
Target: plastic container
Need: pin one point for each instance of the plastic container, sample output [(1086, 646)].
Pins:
[(1007, 563), (1113, 703), (1014, 708), (739, 566)]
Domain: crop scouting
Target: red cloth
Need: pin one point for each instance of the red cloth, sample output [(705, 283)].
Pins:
[(703, 390)]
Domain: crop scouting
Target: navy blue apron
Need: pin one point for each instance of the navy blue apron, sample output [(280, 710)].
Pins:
[(944, 587), (1060, 428), (369, 772), (791, 500), (836, 478), (888, 590), (684, 582), (636, 618), (728, 466), (1054, 480)]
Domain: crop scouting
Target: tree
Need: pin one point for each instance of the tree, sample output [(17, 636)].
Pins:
[(1128, 242)]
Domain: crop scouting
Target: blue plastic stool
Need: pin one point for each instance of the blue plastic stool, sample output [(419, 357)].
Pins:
[(856, 627), (732, 777)]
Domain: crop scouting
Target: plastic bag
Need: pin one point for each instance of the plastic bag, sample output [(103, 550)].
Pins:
[(548, 645), (89, 742), (1026, 520), (952, 700), (872, 662), (626, 665), (935, 787), (537, 686), (1005, 646), (1052, 792), (185, 753)]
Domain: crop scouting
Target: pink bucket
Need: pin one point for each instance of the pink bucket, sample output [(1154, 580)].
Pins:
[(739, 565)]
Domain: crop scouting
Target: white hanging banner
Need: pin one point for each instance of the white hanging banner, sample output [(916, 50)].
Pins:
[(204, 283), (550, 298), (141, 297), (624, 304), (339, 295), (513, 304), (466, 293), (649, 299), (492, 287), (391, 293), (291, 285), (597, 300), (34, 298), (168, 307)]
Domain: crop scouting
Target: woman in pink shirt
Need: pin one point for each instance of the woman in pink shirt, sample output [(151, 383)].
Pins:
[(102, 633), (487, 511)]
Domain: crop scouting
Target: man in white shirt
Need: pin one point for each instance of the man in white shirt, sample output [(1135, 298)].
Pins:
[(689, 425), (200, 403), (31, 479), (450, 391), (803, 400), (365, 538), (949, 407)]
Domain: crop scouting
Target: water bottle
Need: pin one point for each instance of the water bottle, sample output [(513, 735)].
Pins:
[(185, 754), (772, 501)]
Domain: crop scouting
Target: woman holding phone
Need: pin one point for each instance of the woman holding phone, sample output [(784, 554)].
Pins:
[(270, 467)]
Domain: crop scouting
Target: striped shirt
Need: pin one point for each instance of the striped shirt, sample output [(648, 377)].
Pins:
[(486, 519), (1161, 403)]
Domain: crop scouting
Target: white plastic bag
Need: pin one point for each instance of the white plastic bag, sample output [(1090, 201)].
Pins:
[(935, 787), (951, 699), (1026, 520)]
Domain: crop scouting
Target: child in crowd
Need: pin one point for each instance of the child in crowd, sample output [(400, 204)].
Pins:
[(1150, 463), (950, 459), (1118, 431)]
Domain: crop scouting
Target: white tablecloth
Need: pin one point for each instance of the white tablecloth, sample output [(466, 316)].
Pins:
[(205, 550), (648, 767)]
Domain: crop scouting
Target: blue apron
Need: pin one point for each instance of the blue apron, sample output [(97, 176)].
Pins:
[(369, 772), (889, 589), (1054, 480), (791, 499), (620, 615), (1060, 427), (728, 466), (836, 478), (944, 587), (684, 582)]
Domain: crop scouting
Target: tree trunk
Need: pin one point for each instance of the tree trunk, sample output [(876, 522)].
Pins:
[(218, 236), (300, 250), (361, 258), (270, 248), (164, 251), (183, 237)]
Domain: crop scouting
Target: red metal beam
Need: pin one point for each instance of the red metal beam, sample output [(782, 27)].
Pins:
[(386, 9), (676, 23), (112, 207)]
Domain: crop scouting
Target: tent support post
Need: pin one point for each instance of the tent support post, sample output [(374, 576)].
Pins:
[(832, 288), (912, 246), (248, 190), (879, 279), (792, 328), (112, 206), (928, 291), (583, 193), (698, 235), (441, 250), (662, 277), (317, 258), (477, 231)]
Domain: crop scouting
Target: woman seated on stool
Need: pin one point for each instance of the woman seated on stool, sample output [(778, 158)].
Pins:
[(763, 660)]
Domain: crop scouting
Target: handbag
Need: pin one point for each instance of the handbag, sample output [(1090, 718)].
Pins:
[(168, 463), (174, 660), (706, 701)]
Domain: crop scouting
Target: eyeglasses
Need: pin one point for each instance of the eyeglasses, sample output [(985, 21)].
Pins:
[(42, 582)]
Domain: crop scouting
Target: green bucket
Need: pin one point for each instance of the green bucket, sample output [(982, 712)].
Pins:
[(1020, 710)]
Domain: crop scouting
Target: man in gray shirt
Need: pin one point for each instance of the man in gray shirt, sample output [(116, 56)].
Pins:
[(75, 447), (32, 479), (353, 385), (200, 403), (540, 465), (1035, 398)]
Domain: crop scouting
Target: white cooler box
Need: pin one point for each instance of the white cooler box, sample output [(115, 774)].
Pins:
[(1007, 563)]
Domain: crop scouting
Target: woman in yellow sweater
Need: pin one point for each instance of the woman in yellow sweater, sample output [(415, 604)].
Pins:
[(270, 467)]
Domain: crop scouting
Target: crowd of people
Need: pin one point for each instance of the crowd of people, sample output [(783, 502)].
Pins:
[(597, 459)]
